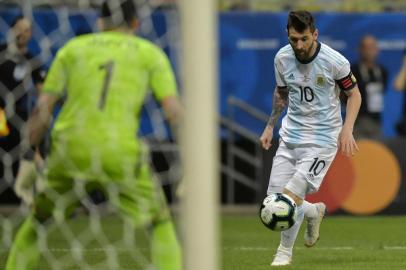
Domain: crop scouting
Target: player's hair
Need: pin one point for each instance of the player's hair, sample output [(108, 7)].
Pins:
[(117, 13), (16, 19), (300, 21)]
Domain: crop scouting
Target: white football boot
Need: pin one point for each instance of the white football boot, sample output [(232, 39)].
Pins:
[(282, 257), (312, 232)]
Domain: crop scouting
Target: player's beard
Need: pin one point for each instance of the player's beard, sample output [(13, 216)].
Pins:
[(304, 54)]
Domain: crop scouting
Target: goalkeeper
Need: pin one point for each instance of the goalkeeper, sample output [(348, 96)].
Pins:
[(105, 77)]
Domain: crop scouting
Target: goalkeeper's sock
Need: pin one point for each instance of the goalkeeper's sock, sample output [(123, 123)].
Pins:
[(288, 237), (165, 249), (24, 253), (310, 209)]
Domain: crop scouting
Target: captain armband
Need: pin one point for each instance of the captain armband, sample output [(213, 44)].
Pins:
[(348, 82)]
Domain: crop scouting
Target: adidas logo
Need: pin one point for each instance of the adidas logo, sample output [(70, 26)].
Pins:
[(291, 77)]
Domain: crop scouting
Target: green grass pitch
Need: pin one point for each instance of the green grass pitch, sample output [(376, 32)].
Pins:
[(346, 242)]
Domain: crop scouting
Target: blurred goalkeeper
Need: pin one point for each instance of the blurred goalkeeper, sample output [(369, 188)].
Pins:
[(105, 77)]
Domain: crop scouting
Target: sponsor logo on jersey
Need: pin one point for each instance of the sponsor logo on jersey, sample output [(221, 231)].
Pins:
[(291, 77)]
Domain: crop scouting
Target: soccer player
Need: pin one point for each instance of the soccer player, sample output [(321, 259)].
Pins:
[(309, 76), (105, 77)]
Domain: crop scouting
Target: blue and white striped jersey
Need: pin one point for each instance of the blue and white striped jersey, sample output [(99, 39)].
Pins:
[(314, 111)]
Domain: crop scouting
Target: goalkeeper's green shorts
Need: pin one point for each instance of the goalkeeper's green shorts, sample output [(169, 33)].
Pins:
[(135, 193)]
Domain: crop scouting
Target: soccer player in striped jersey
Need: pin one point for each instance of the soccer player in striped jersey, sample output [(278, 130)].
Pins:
[(309, 77), (105, 77)]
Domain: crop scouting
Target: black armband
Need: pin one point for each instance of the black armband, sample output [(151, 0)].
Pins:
[(348, 82)]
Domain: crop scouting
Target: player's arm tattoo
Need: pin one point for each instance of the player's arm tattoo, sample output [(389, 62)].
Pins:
[(280, 99)]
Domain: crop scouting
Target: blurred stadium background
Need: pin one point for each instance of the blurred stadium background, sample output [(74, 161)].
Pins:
[(366, 195)]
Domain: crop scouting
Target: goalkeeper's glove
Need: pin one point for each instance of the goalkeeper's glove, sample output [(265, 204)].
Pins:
[(26, 176), (24, 184)]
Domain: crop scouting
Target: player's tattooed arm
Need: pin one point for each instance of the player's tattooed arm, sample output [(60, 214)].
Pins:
[(280, 100)]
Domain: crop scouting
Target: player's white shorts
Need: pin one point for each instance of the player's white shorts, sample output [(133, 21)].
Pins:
[(300, 169)]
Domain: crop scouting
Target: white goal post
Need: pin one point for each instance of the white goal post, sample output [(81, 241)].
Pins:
[(200, 136)]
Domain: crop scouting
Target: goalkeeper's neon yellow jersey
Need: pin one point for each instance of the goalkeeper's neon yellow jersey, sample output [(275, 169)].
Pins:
[(105, 77)]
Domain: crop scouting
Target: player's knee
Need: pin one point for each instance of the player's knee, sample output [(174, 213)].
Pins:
[(297, 189)]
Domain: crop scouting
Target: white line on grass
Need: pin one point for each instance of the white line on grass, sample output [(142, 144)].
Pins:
[(86, 249), (242, 248), (257, 248), (394, 247)]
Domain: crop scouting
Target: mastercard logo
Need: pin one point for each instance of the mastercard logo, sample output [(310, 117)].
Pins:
[(364, 184)]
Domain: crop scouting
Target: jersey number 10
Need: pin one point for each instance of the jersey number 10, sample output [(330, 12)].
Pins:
[(306, 93)]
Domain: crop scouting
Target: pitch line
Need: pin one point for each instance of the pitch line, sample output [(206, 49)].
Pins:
[(241, 248), (394, 247), (259, 248), (253, 248)]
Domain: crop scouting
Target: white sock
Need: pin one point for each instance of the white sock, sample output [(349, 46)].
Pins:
[(309, 209), (288, 237), (284, 250)]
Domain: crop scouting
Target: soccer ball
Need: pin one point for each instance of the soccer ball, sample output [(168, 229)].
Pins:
[(278, 212)]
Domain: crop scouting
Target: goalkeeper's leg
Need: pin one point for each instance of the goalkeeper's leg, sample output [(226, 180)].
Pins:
[(165, 248), (143, 200), (24, 253)]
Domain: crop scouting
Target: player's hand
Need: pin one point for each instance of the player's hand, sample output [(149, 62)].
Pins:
[(26, 176), (266, 137), (346, 142)]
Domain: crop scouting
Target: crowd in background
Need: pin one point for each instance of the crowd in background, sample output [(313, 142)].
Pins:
[(372, 79)]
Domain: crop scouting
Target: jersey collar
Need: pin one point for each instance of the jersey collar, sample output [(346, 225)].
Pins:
[(311, 58)]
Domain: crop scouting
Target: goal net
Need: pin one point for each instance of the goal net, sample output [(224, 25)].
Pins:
[(94, 236)]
